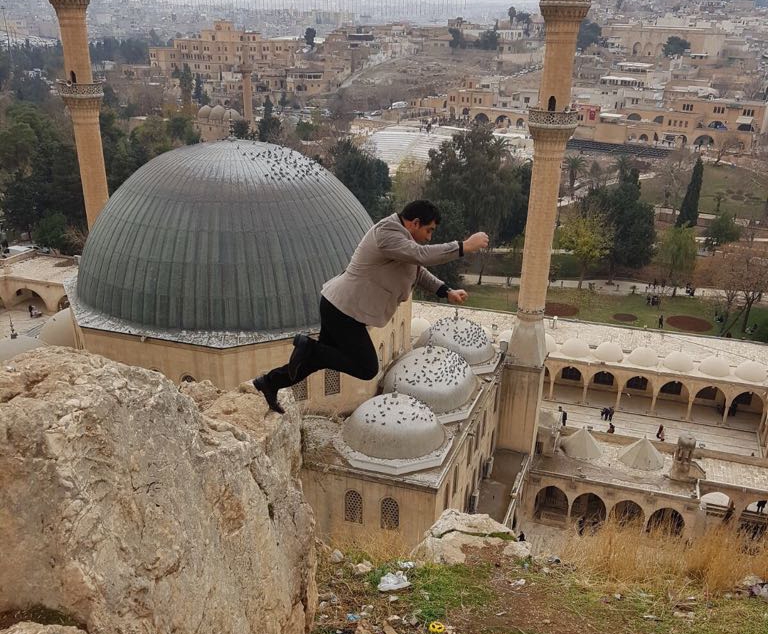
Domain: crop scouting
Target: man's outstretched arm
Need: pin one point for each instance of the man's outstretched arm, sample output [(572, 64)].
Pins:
[(400, 247)]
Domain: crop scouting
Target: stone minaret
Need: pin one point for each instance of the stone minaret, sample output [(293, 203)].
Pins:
[(246, 69), (83, 99), (551, 122)]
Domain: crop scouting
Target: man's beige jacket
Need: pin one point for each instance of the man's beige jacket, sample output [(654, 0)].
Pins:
[(384, 268)]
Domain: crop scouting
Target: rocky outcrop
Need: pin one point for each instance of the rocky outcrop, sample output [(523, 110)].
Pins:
[(28, 627), (124, 505), (445, 542)]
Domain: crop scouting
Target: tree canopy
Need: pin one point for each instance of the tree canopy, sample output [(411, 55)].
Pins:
[(722, 231), (364, 175), (689, 209), (589, 238), (675, 46), (589, 33), (676, 255), (488, 41), (309, 36)]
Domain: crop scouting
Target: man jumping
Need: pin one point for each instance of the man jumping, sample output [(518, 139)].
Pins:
[(385, 267)]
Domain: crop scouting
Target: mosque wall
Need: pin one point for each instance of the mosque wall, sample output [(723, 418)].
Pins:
[(227, 368)]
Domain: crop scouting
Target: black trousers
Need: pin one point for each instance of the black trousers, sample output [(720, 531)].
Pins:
[(344, 345)]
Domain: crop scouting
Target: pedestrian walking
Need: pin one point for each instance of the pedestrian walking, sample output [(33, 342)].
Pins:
[(563, 415), (661, 321), (389, 261), (611, 412), (660, 433)]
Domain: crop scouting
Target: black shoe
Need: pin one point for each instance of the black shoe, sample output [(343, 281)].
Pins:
[(270, 394), (302, 348)]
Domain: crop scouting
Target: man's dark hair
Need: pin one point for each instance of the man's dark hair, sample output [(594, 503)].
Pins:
[(424, 210)]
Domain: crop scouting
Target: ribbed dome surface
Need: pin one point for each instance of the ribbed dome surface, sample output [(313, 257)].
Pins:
[(227, 236), (436, 376)]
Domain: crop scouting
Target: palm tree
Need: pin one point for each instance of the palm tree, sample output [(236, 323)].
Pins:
[(576, 165), (623, 166)]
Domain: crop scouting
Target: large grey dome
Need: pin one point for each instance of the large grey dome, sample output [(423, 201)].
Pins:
[(227, 236)]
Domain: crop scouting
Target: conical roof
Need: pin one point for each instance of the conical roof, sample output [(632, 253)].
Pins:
[(581, 445), (642, 455)]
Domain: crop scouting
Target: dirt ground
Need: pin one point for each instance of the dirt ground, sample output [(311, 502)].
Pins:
[(419, 76)]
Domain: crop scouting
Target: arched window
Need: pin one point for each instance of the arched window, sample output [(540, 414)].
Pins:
[(72, 77), (390, 514), (353, 507), (552, 104), (187, 378)]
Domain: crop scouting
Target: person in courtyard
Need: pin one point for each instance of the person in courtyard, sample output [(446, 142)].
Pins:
[(611, 428), (661, 321), (761, 505), (660, 433), (563, 415), (604, 413), (611, 412), (389, 261)]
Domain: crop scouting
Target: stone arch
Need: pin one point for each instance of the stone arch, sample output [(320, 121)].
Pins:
[(659, 50), (714, 503), (666, 520), (482, 118), (602, 388), (659, 119), (452, 112), (502, 121), (187, 378), (636, 394), (569, 385), (745, 127), (627, 512), (465, 112), (551, 103), (590, 507), (643, 138), (747, 407), (637, 48), (717, 125), (551, 505), (705, 140), (520, 123), (671, 399), (708, 404), (634, 117), (648, 50)]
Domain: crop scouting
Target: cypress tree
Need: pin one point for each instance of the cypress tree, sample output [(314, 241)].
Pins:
[(689, 210)]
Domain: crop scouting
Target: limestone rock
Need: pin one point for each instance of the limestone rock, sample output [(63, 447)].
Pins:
[(27, 627), (518, 550), (471, 524), (126, 507), (203, 393), (448, 550)]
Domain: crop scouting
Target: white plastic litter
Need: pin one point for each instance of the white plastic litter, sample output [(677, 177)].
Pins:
[(396, 581)]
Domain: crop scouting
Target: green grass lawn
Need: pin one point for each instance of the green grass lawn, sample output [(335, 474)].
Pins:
[(598, 307), (742, 197)]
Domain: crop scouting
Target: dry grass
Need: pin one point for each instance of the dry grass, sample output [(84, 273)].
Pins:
[(624, 554), (379, 548)]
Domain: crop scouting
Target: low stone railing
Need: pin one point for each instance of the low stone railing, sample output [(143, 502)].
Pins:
[(553, 119), (80, 91)]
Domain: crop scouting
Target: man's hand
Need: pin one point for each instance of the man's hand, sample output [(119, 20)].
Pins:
[(458, 296), (475, 242)]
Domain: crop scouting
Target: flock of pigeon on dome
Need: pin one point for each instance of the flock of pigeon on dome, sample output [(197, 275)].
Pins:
[(282, 163), (400, 430)]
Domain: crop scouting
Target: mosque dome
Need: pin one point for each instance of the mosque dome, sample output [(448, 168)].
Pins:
[(644, 357), (551, 343), (59, 330), (232, 115), (232, 236), (750, 371), (576, 348), (9, 348), (436, 376), (714, 366), (393, 427), (461, 335), (678, 361), (217, 113), (418, 326), (609, 351), (204, 112)]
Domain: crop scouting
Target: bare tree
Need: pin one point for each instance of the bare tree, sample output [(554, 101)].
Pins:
[(728, 144), (675, 173), (754, 87), (741, 272)]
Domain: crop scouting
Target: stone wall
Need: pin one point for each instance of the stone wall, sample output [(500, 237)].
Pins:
[(125, 506)]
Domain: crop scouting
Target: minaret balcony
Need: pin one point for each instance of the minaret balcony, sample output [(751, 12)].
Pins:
[(68, 90), (553, 119)]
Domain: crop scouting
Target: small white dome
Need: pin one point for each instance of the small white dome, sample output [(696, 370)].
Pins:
[(9, 348), (204, 112), (461, 335), (59, 330), (232, 115), (436, 376), (393, 427), (576, 348), (217, 113), (678, 361), (609, 351), (714, 366), (551, 343), (644, 357), (505, 335), (750, 371), (418, 325)]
